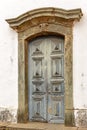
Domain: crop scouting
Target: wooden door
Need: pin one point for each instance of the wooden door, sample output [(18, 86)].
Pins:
[(46, 79)]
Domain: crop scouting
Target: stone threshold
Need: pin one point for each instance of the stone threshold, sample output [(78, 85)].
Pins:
[(37, 126)]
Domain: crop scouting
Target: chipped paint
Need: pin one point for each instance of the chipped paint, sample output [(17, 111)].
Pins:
[(81, 118), (8, 115)]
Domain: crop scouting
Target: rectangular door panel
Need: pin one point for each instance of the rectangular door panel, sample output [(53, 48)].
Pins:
[(57, 66), (57, 45), (38, 87), (56, 109), (37, 67), (38, 108), (57, 87)]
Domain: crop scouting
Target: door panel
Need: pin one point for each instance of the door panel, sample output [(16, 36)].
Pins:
[(38, 107), (37, 78), (55, 110), (57, 66), (46, 79)]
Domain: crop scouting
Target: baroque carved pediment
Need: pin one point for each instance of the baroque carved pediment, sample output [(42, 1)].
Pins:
[(45, 15)]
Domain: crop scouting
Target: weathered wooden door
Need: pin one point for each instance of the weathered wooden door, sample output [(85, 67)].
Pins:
[(46, 79)]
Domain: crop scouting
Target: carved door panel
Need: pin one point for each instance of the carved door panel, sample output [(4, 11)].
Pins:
[(46, 79), (56, 81), (37, 81)]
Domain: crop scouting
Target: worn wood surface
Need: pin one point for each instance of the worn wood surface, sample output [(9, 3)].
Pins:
[(46, 79)]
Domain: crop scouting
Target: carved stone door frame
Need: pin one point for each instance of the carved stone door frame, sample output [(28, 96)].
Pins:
[(39, 22)]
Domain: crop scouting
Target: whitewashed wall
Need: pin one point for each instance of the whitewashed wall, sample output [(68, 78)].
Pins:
[(9, 54)]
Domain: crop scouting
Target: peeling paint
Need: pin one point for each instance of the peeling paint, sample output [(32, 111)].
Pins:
[(8, 115), (81, 118)]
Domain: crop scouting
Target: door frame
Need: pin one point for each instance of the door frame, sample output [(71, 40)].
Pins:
[(68, 72), (39, 22)]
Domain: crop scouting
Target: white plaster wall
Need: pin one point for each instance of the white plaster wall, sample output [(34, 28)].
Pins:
[(8, 49), (80, 62)]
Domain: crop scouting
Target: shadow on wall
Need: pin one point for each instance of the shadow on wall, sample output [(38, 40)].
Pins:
[(8, 115), (81, 118)]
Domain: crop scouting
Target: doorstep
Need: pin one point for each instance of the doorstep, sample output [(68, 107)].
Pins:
[(36, 126)]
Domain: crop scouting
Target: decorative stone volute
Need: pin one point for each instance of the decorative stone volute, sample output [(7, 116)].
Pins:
[(46, 15)]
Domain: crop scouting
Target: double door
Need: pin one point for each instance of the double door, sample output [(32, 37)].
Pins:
[(46, 79)]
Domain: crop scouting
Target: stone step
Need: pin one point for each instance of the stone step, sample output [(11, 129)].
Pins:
[(36, 126), (11, 128)]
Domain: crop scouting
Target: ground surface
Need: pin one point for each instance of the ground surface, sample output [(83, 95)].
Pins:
[(37, 126)]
